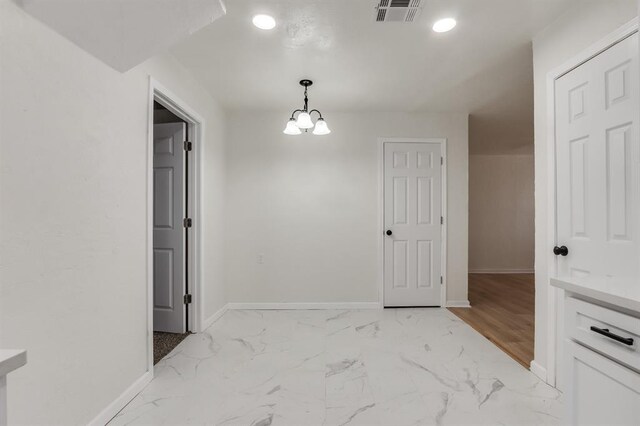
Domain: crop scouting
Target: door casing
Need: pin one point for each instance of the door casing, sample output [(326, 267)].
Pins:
[(443, 247), (195, 131), (553, 294)]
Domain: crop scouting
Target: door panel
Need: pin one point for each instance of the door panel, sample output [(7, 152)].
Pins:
[(578, 186), (412, 210), (400, 200), (424, 263), (619, 183), (425, 200), (163, 276), (400, 264), (169, 283), (163, 198)]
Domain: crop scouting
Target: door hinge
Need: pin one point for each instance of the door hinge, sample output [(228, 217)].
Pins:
[(187, 222), (187, 299), (441, 160), (188, 146), (440, 279), (441, 220)]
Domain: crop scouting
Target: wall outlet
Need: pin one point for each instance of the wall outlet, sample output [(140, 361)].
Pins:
[(260, 258)]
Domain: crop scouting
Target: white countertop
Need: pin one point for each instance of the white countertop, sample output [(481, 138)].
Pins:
[(11, 360), (610, 292)]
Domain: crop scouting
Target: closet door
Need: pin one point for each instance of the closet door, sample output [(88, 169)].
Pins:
[(597, 169), (169, 259), (413, 228)]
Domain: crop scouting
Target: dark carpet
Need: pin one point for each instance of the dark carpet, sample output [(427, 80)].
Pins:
[(163, 343)]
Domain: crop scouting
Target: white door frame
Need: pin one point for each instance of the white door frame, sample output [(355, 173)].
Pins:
[(443, 247), (195, 126), (553, 300)]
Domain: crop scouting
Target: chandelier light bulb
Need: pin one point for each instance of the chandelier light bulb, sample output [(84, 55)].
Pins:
[(321, 128), (291, 128), (304, 121)]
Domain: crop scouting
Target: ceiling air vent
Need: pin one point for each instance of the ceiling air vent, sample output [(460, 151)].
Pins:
[(398, 10)]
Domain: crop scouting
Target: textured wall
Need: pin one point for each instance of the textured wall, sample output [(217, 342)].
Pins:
[(73, 218), (501, 213), (310, 205)]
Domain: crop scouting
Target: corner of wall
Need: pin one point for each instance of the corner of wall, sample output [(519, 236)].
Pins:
[(208, 322), (538, 370), (119, 403), (457, 304)]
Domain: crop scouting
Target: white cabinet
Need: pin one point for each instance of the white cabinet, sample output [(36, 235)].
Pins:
[(612, 333), (602, 364), (600, 391), (597, 177)]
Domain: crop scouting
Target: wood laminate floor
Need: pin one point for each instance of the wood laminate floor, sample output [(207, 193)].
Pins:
[(502, 310)]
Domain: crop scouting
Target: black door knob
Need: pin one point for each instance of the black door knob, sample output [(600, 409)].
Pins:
[(560, 251), (389, 232)]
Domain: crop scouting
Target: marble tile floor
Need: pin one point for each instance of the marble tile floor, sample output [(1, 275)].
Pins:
[(371, 367)]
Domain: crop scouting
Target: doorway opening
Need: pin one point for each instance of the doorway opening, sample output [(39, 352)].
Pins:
[(501, 245), (174, 285), (170, 232)]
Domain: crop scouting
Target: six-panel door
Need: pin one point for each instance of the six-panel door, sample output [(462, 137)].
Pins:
[(597, 154), (168, 230), (412, 214)]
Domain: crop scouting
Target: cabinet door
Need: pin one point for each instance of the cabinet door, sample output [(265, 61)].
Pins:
[(599, 390)]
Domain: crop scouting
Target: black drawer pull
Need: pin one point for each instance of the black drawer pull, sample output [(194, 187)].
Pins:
[(605, 332)]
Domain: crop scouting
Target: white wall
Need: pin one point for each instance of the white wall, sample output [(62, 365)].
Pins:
[(310, 205), (73, 168), (565, 38), (501, 213)]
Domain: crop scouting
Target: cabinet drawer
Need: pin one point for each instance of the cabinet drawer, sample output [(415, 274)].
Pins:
[(588, 323), (600, 391)]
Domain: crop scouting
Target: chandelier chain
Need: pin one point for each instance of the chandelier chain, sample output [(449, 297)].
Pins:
[(306, 100)]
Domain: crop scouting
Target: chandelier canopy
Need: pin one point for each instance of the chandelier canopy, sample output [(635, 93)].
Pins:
[(303, 121)]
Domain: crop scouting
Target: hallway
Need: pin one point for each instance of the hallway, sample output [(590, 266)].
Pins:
[(502, 310), (312, 367)]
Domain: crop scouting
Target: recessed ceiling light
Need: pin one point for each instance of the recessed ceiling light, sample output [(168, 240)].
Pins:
[(444, 25), (264, 22)]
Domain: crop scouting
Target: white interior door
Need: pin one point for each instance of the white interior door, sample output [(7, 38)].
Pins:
[(412, 219), (597, 172), (597, 167), (169, 282)]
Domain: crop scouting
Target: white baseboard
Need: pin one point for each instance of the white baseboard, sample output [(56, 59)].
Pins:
[(501, 271), (458, 304), (215, 317), (116, 406), (538, 370), (294, 305)]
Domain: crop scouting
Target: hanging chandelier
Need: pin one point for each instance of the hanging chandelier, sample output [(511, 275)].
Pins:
[(296, 125)]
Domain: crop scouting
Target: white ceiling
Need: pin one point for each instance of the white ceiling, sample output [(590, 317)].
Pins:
[(483, 66), (124, 33)]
